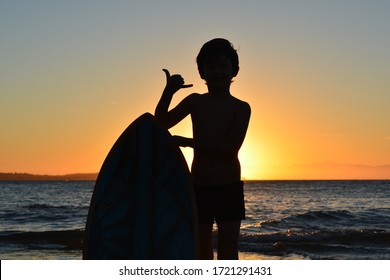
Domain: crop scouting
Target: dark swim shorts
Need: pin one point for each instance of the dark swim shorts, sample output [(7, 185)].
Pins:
[(222, 203)]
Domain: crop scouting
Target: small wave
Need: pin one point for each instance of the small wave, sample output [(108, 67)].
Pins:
[(320, 244), (373, 237), (45, 206), (66, 239), (323, 215), (331, 220), (40, 206)]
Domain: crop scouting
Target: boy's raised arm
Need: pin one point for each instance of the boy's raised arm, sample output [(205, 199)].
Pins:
[(174, 83)]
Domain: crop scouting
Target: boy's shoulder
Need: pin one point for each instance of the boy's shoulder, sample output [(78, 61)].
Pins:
[(242, 105), (203, 98), (239, 101)]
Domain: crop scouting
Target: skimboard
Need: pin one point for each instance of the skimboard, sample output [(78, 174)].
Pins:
[(142, 206)]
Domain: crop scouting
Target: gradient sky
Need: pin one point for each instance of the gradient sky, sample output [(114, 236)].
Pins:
[(75, 74)]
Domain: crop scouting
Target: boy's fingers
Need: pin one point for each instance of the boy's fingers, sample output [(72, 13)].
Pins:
[(167, 73)]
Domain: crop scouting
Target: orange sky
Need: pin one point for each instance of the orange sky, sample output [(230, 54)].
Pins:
[(74, 75)]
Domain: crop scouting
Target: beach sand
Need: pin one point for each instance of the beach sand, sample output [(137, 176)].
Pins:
[(258, 256), (76, 255), (254, 256)]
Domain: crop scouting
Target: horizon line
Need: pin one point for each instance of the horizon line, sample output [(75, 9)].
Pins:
[(24, 176)]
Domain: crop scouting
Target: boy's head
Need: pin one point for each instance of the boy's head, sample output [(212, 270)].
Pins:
[(213, 50)]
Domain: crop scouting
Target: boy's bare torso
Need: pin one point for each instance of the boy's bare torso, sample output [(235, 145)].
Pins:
[(214, 118)]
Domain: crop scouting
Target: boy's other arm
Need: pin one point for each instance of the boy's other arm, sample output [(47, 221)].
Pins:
[(183, 141)]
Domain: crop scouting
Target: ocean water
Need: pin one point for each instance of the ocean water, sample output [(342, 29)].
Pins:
[(285, 219)]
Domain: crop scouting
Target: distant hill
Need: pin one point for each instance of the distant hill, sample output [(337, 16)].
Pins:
[(35, 177)]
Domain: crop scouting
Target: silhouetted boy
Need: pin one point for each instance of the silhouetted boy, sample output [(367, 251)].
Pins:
[(219, 123)]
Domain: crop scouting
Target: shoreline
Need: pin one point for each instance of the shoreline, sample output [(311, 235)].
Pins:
[(77, 255)]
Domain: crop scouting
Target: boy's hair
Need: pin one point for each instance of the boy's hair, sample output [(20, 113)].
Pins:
[(214, 49)]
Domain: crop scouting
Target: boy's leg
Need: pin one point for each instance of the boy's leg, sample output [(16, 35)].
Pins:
[(228, 234), (205, 242)]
